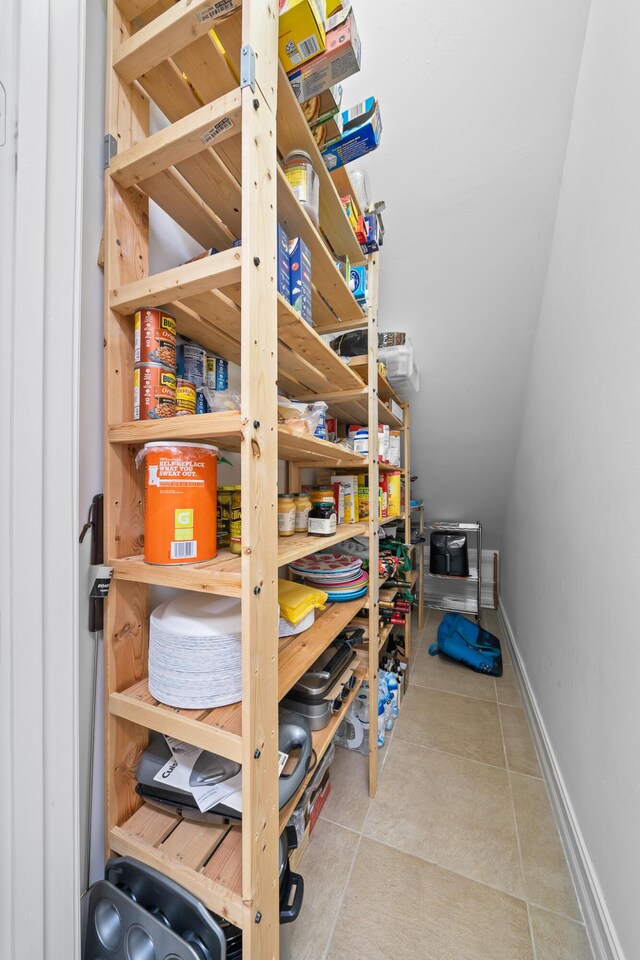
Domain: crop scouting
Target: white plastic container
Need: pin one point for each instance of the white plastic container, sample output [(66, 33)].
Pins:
[(398, 360)]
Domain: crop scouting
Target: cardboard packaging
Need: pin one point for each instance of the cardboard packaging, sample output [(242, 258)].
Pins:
[(341, 58), (319, 109), (350, 210), (301, 32), (300, 278), (350, 487), (329, 132), (394, 447), (363, 496), (394, 494), (361, 134), (338, 499), (358, 283), (284, 270)]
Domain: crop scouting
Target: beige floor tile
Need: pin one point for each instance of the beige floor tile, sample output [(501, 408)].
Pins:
[(547, 880), (442, 674), (445, 721), (325, 868), (437, 915), (455, 812), (348, 801), (521, 753), (507, 687), (557, 938)]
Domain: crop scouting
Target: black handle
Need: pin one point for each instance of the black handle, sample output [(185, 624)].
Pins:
[(289, 913)]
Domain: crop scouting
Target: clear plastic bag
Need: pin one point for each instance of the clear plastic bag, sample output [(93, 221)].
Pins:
[(301, 417)]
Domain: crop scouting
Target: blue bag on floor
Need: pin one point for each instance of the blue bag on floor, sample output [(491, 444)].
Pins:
[(465, 641)]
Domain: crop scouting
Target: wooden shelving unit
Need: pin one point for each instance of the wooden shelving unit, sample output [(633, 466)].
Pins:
[(214, 170)]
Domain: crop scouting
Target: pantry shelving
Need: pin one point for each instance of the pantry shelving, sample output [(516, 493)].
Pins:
[(214, 170)]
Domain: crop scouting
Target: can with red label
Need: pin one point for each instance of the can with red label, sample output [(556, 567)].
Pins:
[(154, 392), (155, 337)]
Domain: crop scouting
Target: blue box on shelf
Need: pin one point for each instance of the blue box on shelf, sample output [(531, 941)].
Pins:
[(300, 278)]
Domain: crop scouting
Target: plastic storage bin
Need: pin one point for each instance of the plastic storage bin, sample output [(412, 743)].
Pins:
[(398, 360)]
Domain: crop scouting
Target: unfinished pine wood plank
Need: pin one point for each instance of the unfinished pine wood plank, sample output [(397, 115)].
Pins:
[(215, 122), (171, 31), (193, 843), (176, 724), (130, 9), (140, 691), (225, 867), (326, 276), (305, 648), (373, 525), (258, 844), (301, 544), (152, 824), (220, 899), (344, 187), (184, 281), (215, 426), (220, 577), (294, 134), (185, 206), (126, 246), (385, 389)]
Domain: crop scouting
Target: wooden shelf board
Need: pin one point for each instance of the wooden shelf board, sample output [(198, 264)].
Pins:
[(324, 273), (385, 390), (225, 430), (218, 730), (321, 742), (384, 634), (294, 133), (301, 544), (303, 650), (388, 468), (204, 858), (223, 576)]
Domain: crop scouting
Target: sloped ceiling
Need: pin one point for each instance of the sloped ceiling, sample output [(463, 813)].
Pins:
[(476, 99)]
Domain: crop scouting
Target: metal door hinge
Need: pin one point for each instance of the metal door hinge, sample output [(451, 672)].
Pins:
[(109, 150), (248, 67)]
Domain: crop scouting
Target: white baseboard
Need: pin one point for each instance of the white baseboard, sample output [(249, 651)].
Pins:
[(604, 941)]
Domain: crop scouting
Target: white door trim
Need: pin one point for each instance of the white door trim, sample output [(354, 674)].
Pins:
[(40, 275)]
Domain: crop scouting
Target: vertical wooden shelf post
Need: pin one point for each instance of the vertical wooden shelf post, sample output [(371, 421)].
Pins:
[(259, 373), (407, 510), (126, 258), (374, 524)]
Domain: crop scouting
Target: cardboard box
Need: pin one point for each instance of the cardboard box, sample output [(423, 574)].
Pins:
[(338, 499), (350, 487), (329, 132), (301, 32), (332, 6), (350, 210), (300, 279), (363, 496), (319, 799), (396, 409), (341, 58), (361, 134), (358, 283), (284, 269), (319, 109)]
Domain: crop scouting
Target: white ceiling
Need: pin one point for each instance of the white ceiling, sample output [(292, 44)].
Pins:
[(476, 99)]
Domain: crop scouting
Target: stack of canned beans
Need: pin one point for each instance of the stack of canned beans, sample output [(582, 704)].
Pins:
[(172, 376)]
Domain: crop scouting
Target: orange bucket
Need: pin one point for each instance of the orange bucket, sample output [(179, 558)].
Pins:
[(180, 497)]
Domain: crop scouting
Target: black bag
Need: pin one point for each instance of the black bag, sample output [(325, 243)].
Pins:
[(448, 555), (352, 344)]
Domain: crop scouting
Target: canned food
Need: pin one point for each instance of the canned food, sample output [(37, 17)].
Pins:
[(201, 402), (185, 398), (154, 392), (217, 373), (304, 181), (192, 363), (155, 337)]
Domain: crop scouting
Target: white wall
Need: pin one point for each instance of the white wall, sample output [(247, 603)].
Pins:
[(571, 563), (476, 102)]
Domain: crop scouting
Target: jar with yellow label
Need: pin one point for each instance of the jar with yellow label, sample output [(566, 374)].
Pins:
[(286, 515), (302, 504), (224, 516), (235, 523)]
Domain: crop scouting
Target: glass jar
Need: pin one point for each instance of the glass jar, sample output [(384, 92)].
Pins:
[(321, 495), (304, 181), (323, 520), (302, 504), (235, 522), (224, 516), (286, 515)]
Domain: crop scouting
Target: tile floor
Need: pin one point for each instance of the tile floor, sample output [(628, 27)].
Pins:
[(458, 856)]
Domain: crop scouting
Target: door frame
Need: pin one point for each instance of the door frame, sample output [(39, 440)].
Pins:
[(42, 70)]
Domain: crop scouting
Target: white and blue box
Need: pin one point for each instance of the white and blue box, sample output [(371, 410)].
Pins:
[(300, 278), (284, 270), (362, 129)]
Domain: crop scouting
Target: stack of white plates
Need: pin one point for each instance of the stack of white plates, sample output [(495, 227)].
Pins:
[(195, 652)]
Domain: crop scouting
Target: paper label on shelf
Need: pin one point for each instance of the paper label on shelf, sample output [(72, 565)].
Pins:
[(214, 10), (224, 124)]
